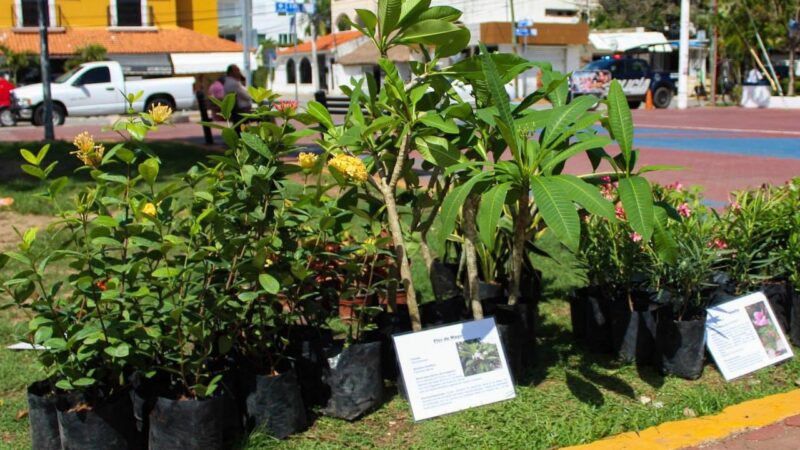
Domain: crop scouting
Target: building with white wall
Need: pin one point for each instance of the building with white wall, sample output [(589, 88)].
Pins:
[(267, 23)]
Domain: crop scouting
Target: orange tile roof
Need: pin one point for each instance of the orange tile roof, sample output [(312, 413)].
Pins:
[(324, 43), (161, 40)]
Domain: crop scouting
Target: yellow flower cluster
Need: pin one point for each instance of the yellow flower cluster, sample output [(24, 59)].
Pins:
[(350, 166), (89, 153), (160, 114), (149, 209), (307, 160)]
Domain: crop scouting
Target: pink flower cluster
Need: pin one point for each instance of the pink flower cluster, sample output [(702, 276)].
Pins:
[(718, 243), (636, 237), (608, 189), (760, 319), (619, 212), (283, 105), (676, 186), (684, 210)]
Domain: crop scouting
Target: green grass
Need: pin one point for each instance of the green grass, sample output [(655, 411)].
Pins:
[(175, 157)]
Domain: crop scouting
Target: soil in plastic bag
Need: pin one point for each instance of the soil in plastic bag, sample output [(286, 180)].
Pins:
[(577, 313), (779, 294), (187, 424), (389, 324), (103, 425), (444, 280), (43, 417), (598, 322), (516, 325), (443, 312), (633, 332), (795, 322), (354, 377), (274, 404), (307, 346), (681, 345)]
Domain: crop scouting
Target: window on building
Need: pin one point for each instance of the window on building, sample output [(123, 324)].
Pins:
[(95, 76), (29, 13), (129, 13), (560, 12), (285, 39), (291, 76), (305, 71)]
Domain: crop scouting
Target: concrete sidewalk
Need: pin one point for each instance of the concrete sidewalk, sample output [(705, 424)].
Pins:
[(783, 435)]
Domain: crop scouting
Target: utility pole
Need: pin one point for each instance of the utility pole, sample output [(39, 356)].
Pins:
[(312, 16), (715, 58), (293, 31), (44, 58), (514, 42), (247, 37), (683, 58)]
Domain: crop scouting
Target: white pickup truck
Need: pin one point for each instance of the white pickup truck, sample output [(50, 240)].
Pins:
[(99, 88)]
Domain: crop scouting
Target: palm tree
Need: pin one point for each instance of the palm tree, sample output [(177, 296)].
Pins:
[(87, 53), (16, 61)]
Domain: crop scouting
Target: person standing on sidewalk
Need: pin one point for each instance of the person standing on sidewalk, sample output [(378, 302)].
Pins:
[(234, 84)]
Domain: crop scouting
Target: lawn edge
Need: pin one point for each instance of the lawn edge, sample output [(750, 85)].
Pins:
[(685, 433)]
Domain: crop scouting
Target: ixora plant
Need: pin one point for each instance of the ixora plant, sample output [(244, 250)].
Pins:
[(401, 118)]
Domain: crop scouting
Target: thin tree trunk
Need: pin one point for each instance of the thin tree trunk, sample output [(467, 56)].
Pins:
[(402, 256), (426, 251), (518, 246), (470, 238)]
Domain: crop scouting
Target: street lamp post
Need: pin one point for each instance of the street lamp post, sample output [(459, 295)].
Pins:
[(683, 58)]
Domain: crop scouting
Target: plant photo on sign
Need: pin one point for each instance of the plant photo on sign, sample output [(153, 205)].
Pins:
[(478, 357), (766, 329)]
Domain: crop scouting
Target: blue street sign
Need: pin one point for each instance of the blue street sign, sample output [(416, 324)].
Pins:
[(525, 23), (522, 32), (288, 8)]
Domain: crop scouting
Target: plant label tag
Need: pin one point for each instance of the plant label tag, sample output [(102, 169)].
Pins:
[(453, 367), (743, 335)]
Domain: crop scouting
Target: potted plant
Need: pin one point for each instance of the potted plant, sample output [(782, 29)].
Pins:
[(90, 331), (684, 283)]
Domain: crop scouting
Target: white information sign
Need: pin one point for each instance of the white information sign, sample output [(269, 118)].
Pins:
[(744, 336), (453, 367)]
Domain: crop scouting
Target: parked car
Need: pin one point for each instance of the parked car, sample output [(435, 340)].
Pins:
[(635, 76), (6, 116), (99, 88)]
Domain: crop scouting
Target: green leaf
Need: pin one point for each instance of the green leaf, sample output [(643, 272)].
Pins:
[(637, 199), (431, 32), (658, 168), (227, 105), (269, 283), (557, 210), (203, 195), (500, 100), (582, 146), (83, 382), (388, 16), (57, 185), (456, 42), (664, 243), (225, 344), (256, 143), (564, 116), (369, 20), (33, 171), (411, 9), (120, 351), (3, 260), (149, 170), (446, 13), (489, 212), (30, 157), (434, 120), (450, 207), (166, 272), (587, 195), (620, 120), (105, 221), (42, 153), (437, 150), (320, 113)]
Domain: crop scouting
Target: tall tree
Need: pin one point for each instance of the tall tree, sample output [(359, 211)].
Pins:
[(87, 53), (16, 61)]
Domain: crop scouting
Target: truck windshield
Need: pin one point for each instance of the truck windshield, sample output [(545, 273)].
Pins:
[(600, 64), (67, 75)]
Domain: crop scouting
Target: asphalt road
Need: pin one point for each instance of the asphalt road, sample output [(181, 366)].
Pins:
[(723, 149)]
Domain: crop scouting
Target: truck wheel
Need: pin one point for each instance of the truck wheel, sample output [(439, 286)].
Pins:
[(155, 101), (662, 97), (7, 118), (634, 104), (59, 115)]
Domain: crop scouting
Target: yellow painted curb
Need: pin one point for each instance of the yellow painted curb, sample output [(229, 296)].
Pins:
[(686, 433)]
